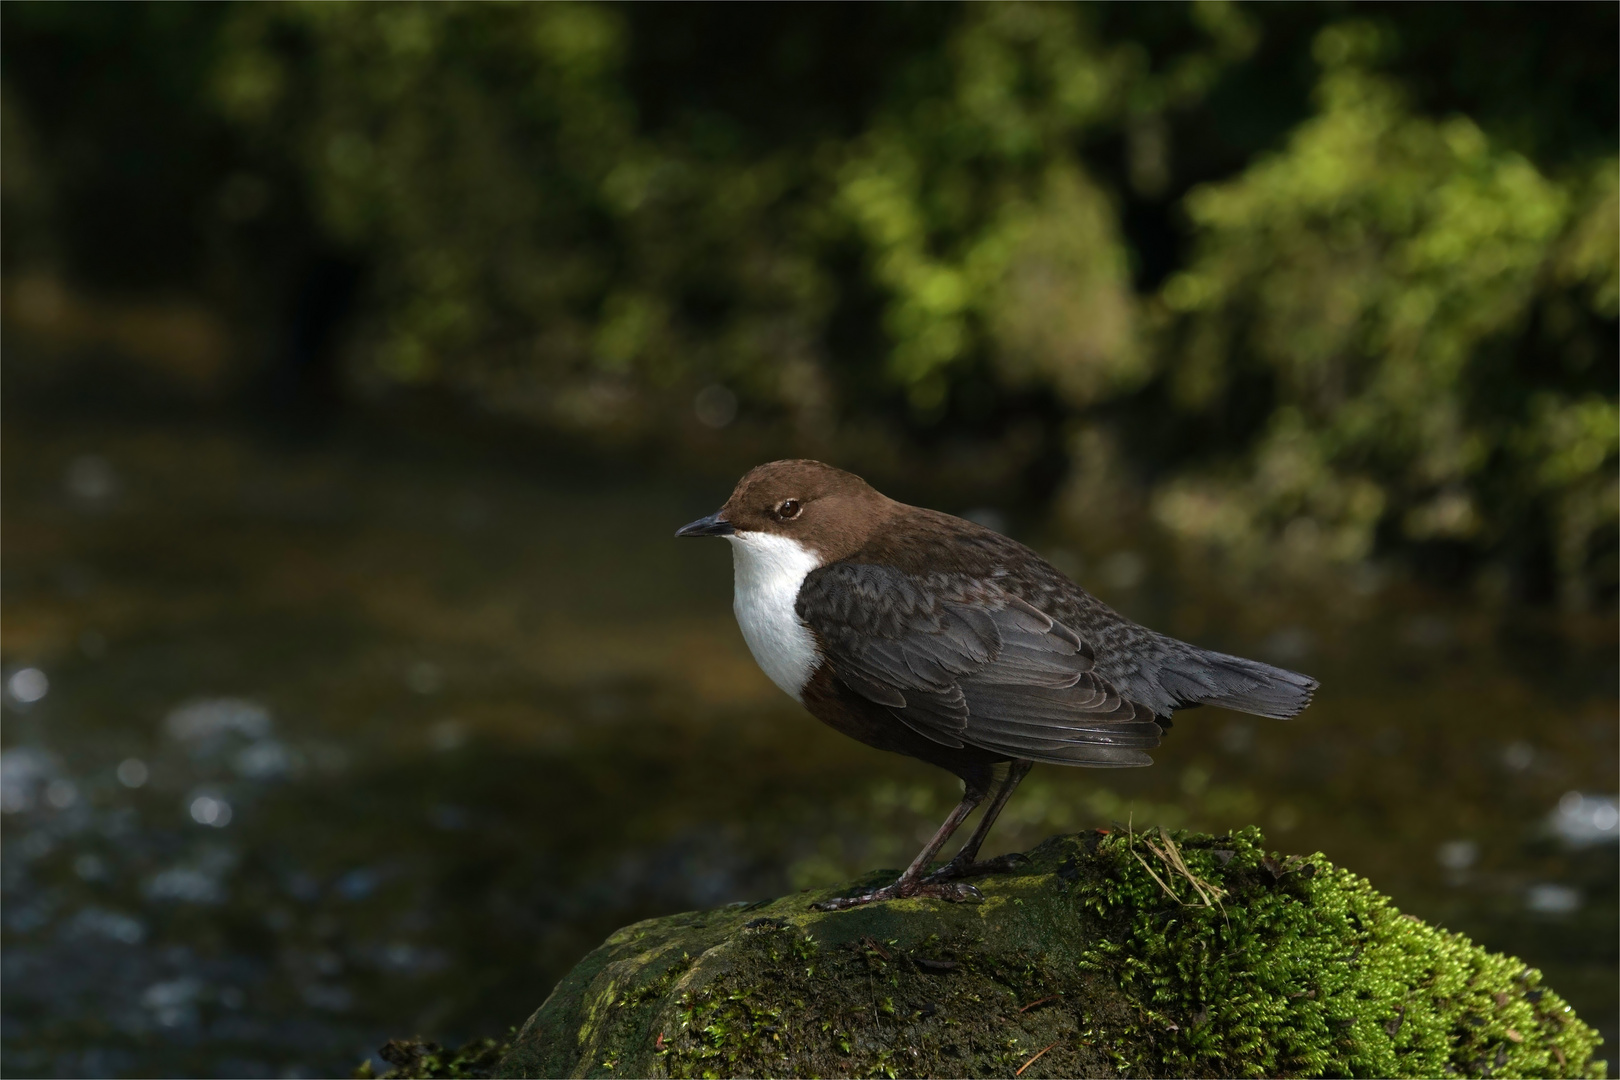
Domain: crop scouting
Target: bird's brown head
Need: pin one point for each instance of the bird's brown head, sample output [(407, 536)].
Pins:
[(827, 510)]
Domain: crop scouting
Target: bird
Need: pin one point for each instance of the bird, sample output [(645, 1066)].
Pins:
[(927, 635)]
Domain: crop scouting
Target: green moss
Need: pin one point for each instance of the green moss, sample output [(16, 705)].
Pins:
[(1306, 970), (1105, 955)]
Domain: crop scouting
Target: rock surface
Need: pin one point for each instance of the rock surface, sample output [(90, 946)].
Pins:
[(1103, 955)]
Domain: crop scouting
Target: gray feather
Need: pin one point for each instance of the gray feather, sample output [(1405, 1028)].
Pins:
[(1026, 664)]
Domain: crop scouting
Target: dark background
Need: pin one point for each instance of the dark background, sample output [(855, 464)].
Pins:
[(359, 361)]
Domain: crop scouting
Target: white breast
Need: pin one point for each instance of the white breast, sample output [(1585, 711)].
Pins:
[(769, 570)]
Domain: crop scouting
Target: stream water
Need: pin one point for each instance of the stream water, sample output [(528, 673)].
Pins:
[(309, 745)]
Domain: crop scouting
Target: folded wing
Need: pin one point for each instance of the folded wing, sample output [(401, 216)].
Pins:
[(964, 663)]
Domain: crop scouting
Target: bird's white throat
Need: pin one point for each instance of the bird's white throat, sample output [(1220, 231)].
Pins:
[(769, 570)]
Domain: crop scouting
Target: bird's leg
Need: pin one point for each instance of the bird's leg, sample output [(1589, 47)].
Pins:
[(911, 882), (964, 865)]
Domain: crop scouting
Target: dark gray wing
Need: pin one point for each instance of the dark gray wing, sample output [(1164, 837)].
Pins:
[(965, 663)]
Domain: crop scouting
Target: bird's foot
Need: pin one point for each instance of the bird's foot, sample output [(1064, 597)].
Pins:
[(959, 868), (955, 891)]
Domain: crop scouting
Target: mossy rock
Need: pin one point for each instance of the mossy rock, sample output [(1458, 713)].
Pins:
[(1103, 955)]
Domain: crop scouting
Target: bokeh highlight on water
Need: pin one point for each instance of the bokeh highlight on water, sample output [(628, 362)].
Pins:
[(309, 746)]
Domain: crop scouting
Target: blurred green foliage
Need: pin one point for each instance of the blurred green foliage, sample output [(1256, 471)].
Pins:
[(1304, 284), (1370, 268)]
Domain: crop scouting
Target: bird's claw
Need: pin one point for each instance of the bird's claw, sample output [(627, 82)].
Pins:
[(954, 891), (958, 868)]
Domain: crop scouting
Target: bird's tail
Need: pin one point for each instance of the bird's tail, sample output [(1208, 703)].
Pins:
[(1199, 676)]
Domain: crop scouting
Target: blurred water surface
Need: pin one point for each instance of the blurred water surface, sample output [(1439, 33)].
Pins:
[(308, 745)]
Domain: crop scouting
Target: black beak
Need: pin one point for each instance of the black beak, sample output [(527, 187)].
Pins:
[(713, 525)]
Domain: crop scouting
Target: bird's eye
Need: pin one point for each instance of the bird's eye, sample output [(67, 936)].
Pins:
[(788, 509)]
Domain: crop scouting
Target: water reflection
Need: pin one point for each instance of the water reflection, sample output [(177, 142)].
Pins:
[(1550, 898), (1583, 820), (91, 481), (27, 686), (322, 747)]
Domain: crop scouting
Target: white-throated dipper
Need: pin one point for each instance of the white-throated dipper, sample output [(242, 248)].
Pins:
[(921, 633)]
